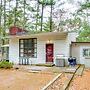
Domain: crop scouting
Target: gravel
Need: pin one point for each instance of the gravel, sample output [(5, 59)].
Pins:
[(81, 82), (60, 82)]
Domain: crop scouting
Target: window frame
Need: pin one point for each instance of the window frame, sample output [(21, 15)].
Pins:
[(33, 44), (87, 53)]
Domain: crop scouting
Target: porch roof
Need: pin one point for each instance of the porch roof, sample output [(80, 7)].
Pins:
[(80, 42), (44, 36)]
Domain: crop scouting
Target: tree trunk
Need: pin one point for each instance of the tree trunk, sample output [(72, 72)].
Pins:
[(24, 14), (4, 29), (0, 23), (37, 14), (15, 13), (42, 16), (51, 18)]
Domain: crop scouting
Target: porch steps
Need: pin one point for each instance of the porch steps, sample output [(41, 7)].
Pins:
[(80, 70)]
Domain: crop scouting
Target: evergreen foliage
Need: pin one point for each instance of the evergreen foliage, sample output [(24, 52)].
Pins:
[(84, 34), (6, 65)]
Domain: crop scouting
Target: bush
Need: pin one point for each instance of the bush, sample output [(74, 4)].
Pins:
[(6, 65)]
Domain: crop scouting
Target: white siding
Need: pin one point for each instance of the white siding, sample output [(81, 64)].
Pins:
[(77, 51), (72, 37), (84, 60), (41, 55), (60, 47), (14, 50)]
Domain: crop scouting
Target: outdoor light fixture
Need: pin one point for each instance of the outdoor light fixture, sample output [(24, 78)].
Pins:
[(49, 41)]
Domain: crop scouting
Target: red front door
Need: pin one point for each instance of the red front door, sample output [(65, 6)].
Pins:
[(49, 52)]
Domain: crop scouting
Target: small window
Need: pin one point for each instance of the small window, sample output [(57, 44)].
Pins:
[(86, 52)]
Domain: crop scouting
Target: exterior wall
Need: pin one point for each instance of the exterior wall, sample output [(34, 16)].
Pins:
[(60, 47), (71, 37), (14, 50), (84, 60), (14, 47), (77, 51)]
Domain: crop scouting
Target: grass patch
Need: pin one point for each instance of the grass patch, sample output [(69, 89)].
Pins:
[(6, 65)]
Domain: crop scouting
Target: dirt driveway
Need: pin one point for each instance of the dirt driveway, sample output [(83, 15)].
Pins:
[(81, 82), (20, 80)]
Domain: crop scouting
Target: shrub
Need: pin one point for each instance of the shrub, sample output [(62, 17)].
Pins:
[(6, 65)]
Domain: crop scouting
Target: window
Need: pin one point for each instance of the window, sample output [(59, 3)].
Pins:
[(86, 52), (28, 47)]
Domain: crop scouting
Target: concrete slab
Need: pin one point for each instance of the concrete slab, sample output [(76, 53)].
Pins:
[(37, 68), (31, 68)]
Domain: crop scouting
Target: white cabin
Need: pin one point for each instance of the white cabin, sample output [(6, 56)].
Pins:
[(40, 48)]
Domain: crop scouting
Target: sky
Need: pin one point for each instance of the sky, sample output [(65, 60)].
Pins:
[(68, 6)]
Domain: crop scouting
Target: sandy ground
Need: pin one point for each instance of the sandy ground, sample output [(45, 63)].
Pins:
[(81, 82), (20, 80)]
